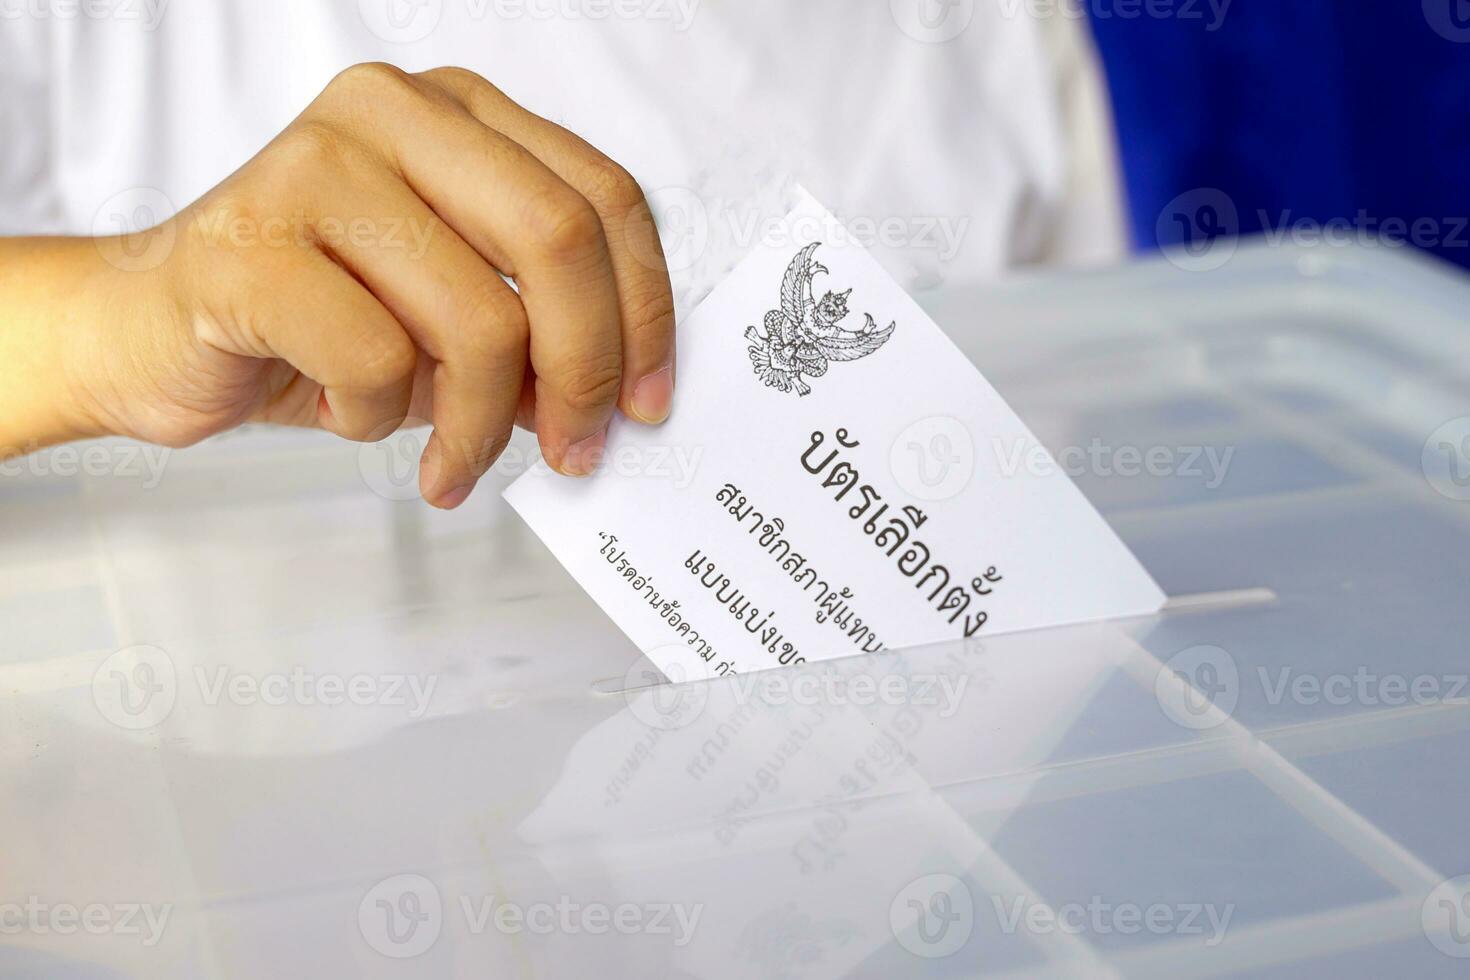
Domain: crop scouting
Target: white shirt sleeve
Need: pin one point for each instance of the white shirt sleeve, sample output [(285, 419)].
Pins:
[(959, 157), (29, 198)]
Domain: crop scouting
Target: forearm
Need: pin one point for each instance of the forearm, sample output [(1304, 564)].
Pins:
[(54, 293)]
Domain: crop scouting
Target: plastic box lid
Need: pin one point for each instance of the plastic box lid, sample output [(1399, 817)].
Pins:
[(301, 726)]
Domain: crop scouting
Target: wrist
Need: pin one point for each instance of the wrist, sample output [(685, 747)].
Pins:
[(63, 335)]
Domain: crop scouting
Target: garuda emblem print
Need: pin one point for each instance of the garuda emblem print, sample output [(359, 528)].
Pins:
[(803, 337)]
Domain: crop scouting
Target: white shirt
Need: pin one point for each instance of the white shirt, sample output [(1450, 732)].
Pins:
[(955, 159)]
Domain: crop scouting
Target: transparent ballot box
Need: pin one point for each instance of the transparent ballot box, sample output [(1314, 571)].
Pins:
[(265, 715)]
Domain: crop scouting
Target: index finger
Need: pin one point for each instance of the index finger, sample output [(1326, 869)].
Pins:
[(645, 298), (529, 224)]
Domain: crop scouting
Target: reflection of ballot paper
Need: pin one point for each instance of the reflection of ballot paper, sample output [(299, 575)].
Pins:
[(836, 479)]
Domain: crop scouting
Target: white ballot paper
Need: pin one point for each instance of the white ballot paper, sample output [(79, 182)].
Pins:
[(836, 478)]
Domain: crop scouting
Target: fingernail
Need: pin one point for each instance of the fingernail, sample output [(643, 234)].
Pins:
[(454, 497), (583, 458), (654, 396)]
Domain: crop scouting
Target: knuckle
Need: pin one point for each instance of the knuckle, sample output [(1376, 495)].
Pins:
[(454, 78), (651, 320), (564, 225), (312, 145), (387, 363), (590, 384), (367, 429), (491, 322), (610, 186), (372, 78), (481, 454)]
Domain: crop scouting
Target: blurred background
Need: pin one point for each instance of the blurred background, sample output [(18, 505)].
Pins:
[(1295, 413), (1311, 117), (960, 138)]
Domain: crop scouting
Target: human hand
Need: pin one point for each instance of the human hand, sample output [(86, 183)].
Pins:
[(350, 277)]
